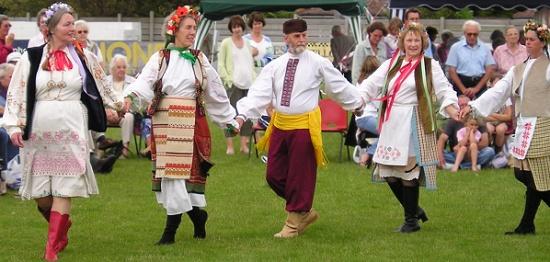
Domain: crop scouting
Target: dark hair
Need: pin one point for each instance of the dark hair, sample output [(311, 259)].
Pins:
[(497, 38), (446, 36), (236, 20), (432, 32), (336, 31), (255, 17), (411, 10), (377, 26), (496, 34)]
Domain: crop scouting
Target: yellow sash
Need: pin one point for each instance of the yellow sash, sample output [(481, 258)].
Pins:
[(310, 120)]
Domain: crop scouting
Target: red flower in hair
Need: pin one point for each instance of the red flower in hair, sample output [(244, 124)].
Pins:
[(182, 10), (174, 21)]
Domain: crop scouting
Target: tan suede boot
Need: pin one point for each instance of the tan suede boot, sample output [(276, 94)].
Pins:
[(307, 219), (290, 229)]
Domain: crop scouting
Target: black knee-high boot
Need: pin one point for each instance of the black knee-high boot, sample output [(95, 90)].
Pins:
[(410, 205), (45, 212), (198, 217), (397, 189), (169, 235), (545, 196), (527, 223)]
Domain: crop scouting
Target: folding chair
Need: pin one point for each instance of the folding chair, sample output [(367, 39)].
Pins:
[(334, 119)]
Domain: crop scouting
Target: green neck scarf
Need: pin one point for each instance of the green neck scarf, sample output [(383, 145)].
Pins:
[(184, 53)]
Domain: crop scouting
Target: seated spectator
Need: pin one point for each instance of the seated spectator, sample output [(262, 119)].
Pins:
[(7, 149), (432, 34), (368, 121), (470, 63), (498, 124), (145, 127), (82, 31), (467, 148), (120, 80), (6, 38), (447, 40), (497, 39), (41, 37), (448, 136), (509, 54)]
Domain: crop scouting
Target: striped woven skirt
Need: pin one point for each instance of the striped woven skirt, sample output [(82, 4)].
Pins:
[(173, 131)]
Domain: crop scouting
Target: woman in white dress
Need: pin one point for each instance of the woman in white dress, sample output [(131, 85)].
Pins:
[(182, 87), (407, 142), (48, 115), (528, 84)]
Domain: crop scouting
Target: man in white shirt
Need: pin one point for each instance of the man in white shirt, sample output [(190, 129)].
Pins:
[(291, 83)]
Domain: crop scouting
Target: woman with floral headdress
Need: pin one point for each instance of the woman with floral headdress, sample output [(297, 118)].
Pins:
[(405, 153), (182, 87), (528, 84), (56, 95)]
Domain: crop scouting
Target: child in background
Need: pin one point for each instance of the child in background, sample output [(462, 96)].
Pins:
[(467, 148), (368, 121)]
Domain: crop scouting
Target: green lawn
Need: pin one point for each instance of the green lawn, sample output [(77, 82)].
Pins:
[(468, 216)]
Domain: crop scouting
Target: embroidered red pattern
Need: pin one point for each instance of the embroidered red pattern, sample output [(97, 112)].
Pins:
[(289, 81)]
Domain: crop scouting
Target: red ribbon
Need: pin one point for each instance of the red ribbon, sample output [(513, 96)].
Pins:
[(404, 71), (60, 61)]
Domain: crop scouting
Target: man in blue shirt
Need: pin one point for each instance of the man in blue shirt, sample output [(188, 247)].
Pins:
[(470, 62)]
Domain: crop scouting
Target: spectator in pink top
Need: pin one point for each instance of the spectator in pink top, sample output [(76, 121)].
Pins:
[(6, 38), (467, 148), (509, 54)]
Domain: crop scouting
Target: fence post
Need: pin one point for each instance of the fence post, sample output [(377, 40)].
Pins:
[(28, 16), (441, 24), (151, 26), (119, 17)]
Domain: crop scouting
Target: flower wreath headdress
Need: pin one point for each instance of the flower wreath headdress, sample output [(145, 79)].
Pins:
[(174, 22), (54, 8), (542, 31)]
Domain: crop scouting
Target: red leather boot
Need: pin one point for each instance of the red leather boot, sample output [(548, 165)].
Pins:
[(54, 232), (63, 238)]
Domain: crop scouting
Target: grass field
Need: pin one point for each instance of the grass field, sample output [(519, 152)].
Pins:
[(468, 216)]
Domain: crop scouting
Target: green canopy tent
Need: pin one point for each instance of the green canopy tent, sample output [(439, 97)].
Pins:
[(218, 9)]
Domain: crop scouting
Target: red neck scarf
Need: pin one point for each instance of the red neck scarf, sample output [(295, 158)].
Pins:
[(59, 61), (404, 72)]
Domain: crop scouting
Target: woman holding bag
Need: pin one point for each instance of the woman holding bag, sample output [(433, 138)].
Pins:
[(54, 83)]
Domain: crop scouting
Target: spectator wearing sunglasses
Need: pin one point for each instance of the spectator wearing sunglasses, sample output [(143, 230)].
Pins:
[(6, 38), (40, 38), (82, 31), (470, 62)]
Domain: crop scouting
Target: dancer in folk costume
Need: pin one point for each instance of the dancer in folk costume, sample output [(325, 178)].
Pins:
[(57, 83), (408, 84), (291, 82), (182, 86), (528, 84)]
